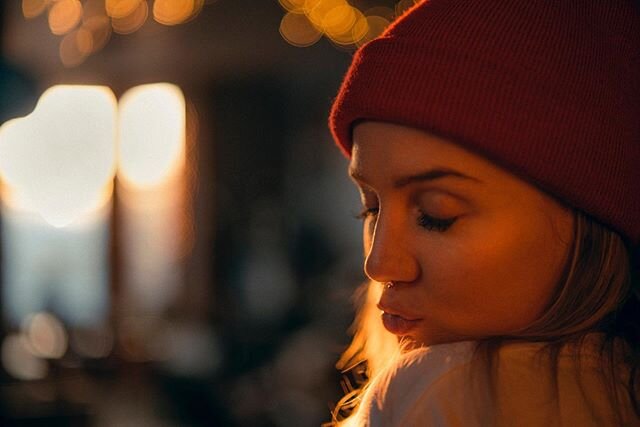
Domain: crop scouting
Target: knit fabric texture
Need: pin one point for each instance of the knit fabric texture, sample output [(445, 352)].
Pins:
[(547, 89)]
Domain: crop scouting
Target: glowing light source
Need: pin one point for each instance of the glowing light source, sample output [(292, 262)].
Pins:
[(352, 34), (64, 16), (58, 160), (102, 17), (295, 6), (375, 26), (152, 134), (345, 25), (18, 360), (121, 8), (173, 12), (47, 337), (298, 30), (339, 21), (75, 47), (100, 28), (132, 22), (33, 8)]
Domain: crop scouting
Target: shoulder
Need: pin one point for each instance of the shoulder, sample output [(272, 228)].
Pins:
[(404, 390), (443, 386)]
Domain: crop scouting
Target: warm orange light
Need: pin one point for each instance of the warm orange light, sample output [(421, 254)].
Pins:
[(173, 12), (318, 13), (46, 335), (75, 47), (18, 360), (93, 8), (298, 30), (375, 25), (64, 15), (339, 21), (33, 8), (133, 21), (119, 9), (100, 28), (354, 34), (295, 6)]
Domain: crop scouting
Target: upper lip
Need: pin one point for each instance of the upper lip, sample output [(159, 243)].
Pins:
[(393, 311)]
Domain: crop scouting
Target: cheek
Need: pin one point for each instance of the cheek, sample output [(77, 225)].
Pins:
[(492, 281)]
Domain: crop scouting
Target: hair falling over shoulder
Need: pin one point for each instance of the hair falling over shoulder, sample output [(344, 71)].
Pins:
[(598, 292)]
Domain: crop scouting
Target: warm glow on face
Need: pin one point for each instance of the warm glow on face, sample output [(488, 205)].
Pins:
[(58, 160), (152, 134), (64, 15)]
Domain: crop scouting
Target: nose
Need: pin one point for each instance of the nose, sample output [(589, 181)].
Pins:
[(389, 250)]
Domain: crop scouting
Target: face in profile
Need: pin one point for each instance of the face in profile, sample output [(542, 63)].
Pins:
[(463, 248)]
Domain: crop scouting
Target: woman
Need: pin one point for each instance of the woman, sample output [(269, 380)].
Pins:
[(496, 146)]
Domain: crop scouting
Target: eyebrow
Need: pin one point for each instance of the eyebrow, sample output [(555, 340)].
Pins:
[(429, 175)]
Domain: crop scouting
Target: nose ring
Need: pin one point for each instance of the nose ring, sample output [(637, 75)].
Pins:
[(389, 285)]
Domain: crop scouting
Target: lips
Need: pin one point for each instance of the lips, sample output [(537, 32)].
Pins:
[(396, 323)]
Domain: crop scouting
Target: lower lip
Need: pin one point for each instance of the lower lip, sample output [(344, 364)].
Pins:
[(398, 325)]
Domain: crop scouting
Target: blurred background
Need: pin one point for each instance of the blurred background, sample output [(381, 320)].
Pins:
[(178, 245)]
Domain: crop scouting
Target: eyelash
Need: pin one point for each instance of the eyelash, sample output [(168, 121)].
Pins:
[(425, 221)]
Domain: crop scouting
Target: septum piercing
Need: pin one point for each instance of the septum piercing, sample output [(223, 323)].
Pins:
[(389, 285)]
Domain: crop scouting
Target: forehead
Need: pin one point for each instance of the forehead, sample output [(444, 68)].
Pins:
[(385, 148)]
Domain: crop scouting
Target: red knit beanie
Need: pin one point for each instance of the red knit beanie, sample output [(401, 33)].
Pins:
[(548, 89)]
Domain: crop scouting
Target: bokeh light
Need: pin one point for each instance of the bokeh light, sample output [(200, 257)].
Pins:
[(46, 335), (298, 30), (103, 17), (317, 13), (355, 33), (121, 8), (133, 21), (375, 26), (75, 47), (174, 12), (58, 160), (19, 361), (152, 134), (64, 16), (343, 24), (33, 8), (100, 28), (339, 20), (295, 6)]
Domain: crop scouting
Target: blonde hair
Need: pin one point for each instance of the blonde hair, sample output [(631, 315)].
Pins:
[(595, 294)]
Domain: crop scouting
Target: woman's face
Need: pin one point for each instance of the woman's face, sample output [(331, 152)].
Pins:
[(463, 248)]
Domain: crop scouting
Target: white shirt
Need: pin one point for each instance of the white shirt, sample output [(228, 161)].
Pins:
[(432, 387)]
